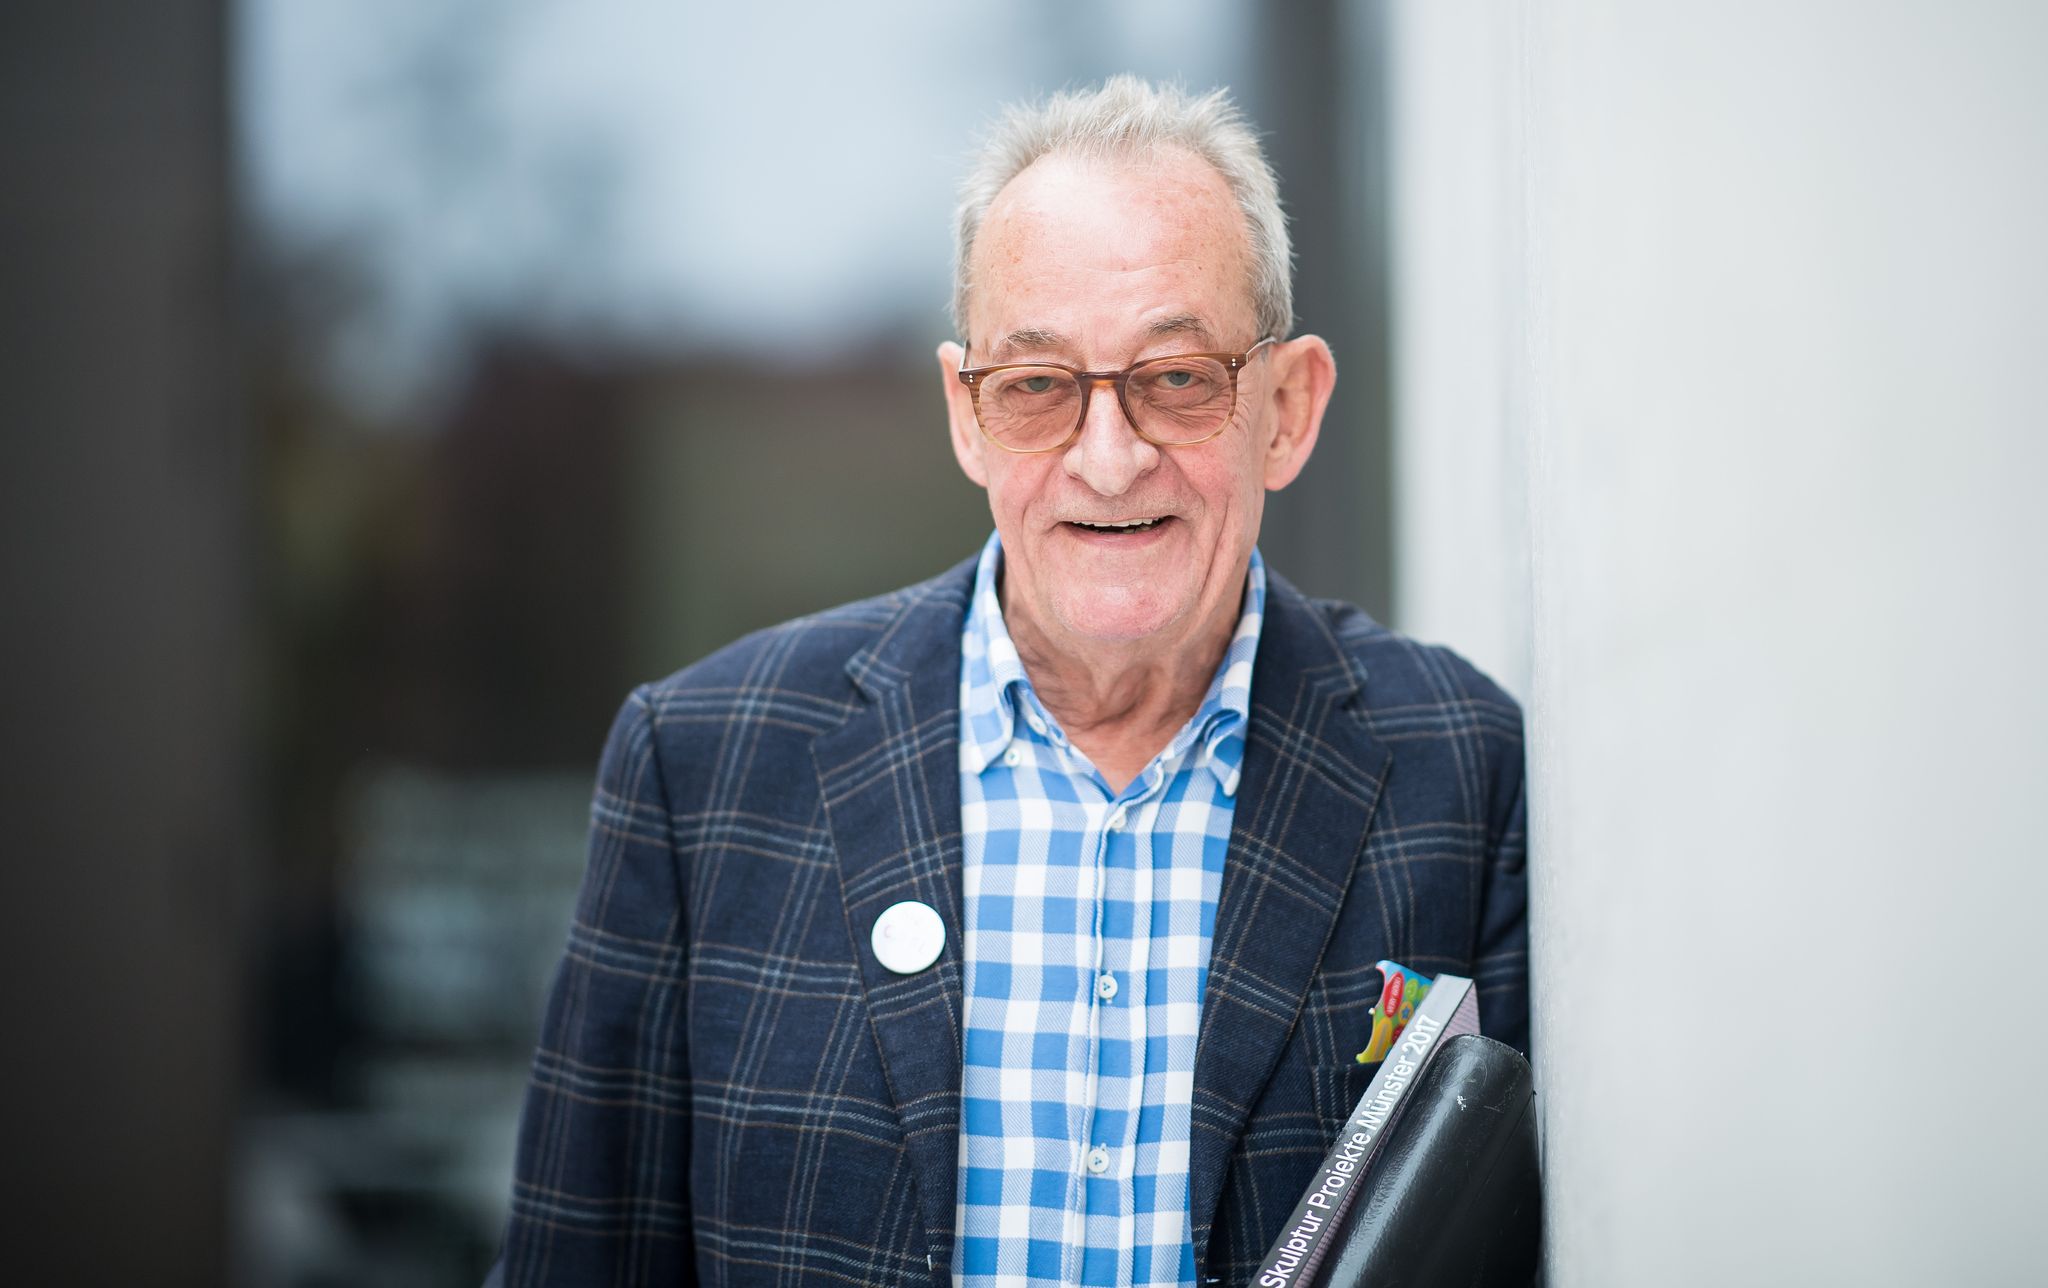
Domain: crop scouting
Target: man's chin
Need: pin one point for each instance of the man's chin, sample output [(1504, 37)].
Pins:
[(1117, 618)]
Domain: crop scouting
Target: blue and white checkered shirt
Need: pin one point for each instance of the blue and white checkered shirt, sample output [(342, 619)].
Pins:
[(1088, 919)]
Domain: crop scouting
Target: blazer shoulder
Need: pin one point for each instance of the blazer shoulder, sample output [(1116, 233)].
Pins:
[(1400, 672)]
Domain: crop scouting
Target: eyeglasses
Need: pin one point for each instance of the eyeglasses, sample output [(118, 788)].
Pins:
[(1174, 401)]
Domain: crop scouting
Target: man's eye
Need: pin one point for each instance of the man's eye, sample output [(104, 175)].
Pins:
[(1180, 380), (1037, 384)]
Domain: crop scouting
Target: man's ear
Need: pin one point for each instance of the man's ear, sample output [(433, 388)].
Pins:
[(966, 435), (1304, 375)]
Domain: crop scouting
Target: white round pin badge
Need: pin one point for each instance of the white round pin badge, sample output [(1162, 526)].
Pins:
[(909, 936)]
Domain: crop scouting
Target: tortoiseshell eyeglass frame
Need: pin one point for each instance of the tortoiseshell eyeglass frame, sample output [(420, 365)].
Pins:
[(1233, 362)]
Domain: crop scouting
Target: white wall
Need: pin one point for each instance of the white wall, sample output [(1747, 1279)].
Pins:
[(1461, 569), (1773, 301)]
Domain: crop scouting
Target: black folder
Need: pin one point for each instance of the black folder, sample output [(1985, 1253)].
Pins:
[(1453, 1198)]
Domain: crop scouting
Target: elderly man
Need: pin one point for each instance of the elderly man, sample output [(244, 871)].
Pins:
[(1020, 927)]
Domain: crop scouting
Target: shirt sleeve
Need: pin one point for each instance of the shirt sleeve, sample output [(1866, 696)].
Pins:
[(600, 1192)]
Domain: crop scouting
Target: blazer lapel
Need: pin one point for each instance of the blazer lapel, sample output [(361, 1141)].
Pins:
[(890, 781), (1311, 780)]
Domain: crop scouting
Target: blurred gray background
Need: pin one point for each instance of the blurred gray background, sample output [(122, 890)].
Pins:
[(390, 386)]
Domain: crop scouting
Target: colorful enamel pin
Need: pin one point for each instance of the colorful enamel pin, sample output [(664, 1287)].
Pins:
[(1403, 992)]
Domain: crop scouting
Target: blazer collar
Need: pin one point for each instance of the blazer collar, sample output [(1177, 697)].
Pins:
[(890, 782), (1312, 777)]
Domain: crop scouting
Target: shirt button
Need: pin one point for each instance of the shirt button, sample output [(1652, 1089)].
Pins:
[(1116, 820), (1013, 757), (1105, 986), (1098, 1160), (1037, 725)]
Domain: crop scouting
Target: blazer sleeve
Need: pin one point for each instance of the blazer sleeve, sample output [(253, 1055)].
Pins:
[(600, 1187), (1502, 967)]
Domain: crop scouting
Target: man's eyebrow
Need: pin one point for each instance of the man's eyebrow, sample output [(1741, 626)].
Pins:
[(1037, 339), (1183, 324), (1030, 337)]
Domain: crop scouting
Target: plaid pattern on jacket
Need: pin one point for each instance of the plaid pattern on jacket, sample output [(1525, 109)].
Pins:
[(731, 1090)]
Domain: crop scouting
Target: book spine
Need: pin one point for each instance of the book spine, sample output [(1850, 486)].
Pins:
[(1452, 1007)]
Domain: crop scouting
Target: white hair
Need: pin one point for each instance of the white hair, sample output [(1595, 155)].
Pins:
[(1131, 118)]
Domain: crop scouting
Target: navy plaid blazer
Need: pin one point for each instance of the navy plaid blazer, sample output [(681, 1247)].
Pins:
[(730, 1089)]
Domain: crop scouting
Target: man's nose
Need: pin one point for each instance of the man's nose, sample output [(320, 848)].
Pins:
[(1108, 455)]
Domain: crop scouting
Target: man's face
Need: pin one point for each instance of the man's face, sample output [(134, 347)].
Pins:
[(1098, 265)]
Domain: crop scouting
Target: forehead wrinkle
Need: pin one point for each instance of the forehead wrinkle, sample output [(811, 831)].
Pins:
[(1068, 233)]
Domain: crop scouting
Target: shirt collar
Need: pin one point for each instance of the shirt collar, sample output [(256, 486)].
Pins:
[(994, 686)]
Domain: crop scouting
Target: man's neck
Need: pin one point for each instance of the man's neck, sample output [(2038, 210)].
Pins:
[(1120, 703)]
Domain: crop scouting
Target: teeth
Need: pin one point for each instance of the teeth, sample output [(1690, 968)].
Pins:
[(1117, 527)]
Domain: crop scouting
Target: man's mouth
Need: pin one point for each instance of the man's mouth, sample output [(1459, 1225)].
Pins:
[(1127, 525)]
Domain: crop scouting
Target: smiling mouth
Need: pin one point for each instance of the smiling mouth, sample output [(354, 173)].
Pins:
[(1134, 525)]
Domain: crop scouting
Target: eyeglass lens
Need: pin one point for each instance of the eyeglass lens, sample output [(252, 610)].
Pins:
[(1172, 400)]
